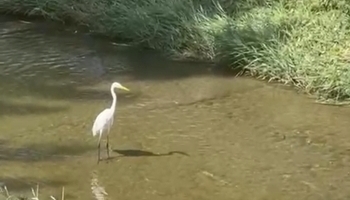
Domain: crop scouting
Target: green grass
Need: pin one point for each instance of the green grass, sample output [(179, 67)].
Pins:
[(303, 43)]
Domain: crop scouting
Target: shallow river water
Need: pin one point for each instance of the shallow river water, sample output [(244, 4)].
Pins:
[(183, 132)]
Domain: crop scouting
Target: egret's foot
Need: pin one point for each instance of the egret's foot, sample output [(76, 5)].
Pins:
[(107, 145), (108, 150), (108, 154), (98, 153)]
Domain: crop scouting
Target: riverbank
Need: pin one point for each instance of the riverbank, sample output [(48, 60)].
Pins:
[(299, 43), (199, 135)]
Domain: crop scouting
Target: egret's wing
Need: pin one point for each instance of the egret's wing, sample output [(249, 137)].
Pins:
[(111, 121), (100, 122)]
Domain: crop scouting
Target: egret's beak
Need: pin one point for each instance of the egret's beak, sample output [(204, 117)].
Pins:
[(124, 88)]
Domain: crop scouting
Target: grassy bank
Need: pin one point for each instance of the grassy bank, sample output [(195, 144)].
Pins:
[(304, 43)]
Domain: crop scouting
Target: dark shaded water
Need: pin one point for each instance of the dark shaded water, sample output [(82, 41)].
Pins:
[(183, 132)]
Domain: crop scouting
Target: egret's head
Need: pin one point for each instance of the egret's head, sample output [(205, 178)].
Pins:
[(119, 86)]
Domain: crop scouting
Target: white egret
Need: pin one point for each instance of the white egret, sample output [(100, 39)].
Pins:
[(104, 120)]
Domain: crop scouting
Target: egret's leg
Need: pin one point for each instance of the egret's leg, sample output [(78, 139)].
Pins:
[(99, 147), (107, 144)]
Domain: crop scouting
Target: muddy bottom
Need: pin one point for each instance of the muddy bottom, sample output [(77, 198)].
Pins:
[(183, 132)]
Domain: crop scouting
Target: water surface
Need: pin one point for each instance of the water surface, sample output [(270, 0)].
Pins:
[(183, 132)]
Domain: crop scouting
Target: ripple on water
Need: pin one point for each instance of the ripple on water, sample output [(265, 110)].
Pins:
[(223, 137)]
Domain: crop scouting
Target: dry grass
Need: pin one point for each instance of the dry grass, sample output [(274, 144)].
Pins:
[(35, 194)]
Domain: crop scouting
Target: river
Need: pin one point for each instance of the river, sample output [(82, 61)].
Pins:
[(182, 132)]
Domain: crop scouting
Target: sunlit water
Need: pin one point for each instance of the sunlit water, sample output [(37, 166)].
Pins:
[(182, 132)]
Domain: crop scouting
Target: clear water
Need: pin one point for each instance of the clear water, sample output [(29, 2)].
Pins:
[(183, 132)]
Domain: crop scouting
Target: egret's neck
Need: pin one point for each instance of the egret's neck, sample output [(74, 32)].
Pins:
[(114, 99)]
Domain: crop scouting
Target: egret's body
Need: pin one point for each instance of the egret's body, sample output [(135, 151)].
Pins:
[(103, 122), (105, 119)]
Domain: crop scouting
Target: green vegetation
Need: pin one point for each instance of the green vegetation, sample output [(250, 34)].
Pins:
[(300, 42)]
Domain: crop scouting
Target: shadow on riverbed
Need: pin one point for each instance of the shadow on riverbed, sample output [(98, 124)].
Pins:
[(60, 90), (8, 108), (42, 152), (139, 153), (142, 153)]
